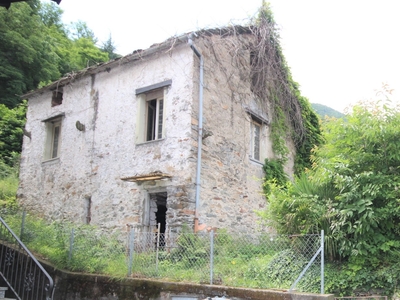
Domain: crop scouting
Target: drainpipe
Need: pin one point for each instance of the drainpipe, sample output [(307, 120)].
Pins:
[(200, 133)]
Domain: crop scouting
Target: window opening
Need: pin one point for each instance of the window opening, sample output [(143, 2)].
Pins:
[(88, 208), (151, 111), (53, 139), (255, 139), (57, 97), (154, 122)]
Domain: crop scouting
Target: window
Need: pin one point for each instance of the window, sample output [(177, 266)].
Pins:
[(154, 118), (57, 97), (258, 120), (53, 138), (151, 112), (255, 139)]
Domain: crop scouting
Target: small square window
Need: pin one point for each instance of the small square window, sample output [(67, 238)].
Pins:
[(57, 97)]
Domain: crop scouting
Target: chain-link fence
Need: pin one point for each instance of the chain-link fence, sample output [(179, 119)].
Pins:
[(249, 260), (254, 260)]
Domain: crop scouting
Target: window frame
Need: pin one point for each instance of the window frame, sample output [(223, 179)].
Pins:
[(57, 97), (151, 130), (55, 139), (255, 139), (256, 119), (53, 128)]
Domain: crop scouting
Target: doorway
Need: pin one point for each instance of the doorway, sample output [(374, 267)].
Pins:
[(158, 214)]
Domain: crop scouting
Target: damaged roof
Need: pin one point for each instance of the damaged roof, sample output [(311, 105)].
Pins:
[(166, 46)]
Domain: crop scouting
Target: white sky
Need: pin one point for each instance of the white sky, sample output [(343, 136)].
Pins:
[(339, 51)]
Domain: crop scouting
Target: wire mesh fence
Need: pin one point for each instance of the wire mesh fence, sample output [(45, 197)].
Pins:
[(257, 260), (254, 260)]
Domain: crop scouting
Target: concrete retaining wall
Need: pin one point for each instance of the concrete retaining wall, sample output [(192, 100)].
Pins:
[(73, 286)]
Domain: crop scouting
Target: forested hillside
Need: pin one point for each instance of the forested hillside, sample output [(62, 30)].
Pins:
[(35, 49), (323, 110)]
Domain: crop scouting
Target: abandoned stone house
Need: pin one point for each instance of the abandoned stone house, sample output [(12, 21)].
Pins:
[(170, 135)]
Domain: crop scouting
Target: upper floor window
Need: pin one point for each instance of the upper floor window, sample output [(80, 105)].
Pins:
[(53, 137), (151, 112), (257, 126), (154, 118), (57, 97)]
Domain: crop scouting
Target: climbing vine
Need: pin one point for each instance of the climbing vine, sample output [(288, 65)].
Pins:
[(293, 124), (291, 114)]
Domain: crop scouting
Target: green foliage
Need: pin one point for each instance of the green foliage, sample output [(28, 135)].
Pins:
[(8, 186), (92, 252), (284, 268), (79, 30), (35, 47), (109, 48), (274, 173), (83, 53), (312, 135), (11, 123), (352, 192), (191, 250), (358, 276), (26, 57), (291, 114)]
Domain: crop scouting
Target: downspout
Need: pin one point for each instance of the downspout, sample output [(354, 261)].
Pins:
[(200, 134)]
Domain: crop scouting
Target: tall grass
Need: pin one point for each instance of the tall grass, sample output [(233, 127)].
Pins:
[(8, 185)]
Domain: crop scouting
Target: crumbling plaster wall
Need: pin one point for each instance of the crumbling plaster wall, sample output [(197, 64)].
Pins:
[(92, 162)]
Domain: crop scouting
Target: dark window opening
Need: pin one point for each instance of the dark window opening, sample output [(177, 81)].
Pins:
[(154, 119), (88, 205), (255, 140), (57, 98)]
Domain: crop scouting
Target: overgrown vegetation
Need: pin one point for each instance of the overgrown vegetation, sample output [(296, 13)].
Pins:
[(292, 117), (73, 247), (352, 193), (260, 261)]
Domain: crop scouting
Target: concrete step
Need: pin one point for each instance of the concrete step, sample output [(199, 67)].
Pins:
[(3, 292)]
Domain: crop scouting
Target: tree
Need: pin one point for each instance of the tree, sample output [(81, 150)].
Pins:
[(12, 122), (35, 48), (80, 30), (26, 56), (109, 47), (83, 53)]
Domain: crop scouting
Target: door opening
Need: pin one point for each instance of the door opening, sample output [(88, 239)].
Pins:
[(158, 214)]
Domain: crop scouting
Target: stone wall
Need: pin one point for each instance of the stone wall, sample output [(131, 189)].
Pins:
[(231, 186)]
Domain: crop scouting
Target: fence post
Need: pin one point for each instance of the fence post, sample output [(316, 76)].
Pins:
[(131, 249), (157, 245), (71, 246), (322, 262), (22, 225), (211, 256)]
